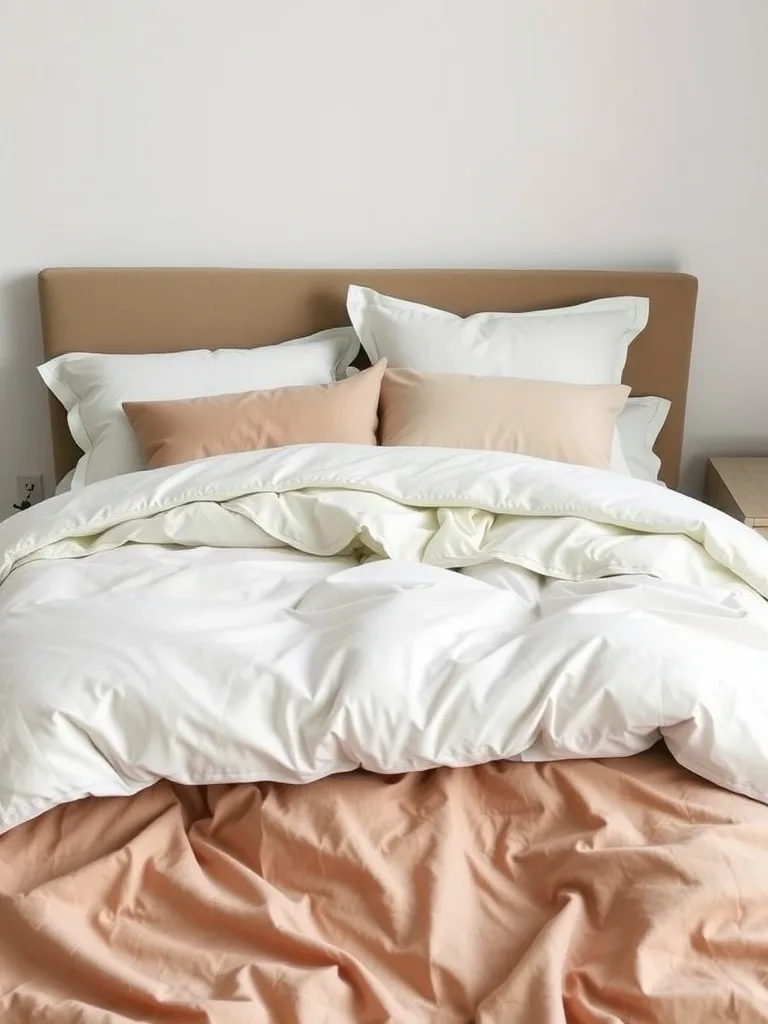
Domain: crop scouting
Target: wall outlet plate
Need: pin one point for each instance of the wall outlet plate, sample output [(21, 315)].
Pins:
[(29, 488)]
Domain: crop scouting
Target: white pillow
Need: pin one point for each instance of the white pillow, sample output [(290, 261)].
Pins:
[(638, 426), (65, 484), (92, 388), (585, 344)]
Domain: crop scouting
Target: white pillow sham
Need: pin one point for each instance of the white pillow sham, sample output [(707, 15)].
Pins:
[(584, 344), (638, 427), (93, 387), (64, 486)]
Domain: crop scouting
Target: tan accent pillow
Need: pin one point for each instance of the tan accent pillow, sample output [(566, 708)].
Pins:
[(194, 428), (564, 422)]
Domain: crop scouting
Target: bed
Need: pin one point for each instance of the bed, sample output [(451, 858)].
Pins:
[(190, 855)]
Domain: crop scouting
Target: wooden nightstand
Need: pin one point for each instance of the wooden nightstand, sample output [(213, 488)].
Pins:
[(740, 488)]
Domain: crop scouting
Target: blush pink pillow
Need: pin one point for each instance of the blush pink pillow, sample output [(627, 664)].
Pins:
[(563, 422), (187, 429)]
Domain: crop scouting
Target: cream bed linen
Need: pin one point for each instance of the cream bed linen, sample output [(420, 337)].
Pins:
[(593, 616)]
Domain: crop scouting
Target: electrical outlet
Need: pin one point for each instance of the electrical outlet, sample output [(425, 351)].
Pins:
[(29, 489)]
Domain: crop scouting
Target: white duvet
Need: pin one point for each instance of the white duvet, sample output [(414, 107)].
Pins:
[(288, 614)]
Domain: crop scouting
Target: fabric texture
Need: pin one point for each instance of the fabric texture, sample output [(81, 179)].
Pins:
[(344, 412), (93, 387), (623, 890), (312, 590), (561, 422)]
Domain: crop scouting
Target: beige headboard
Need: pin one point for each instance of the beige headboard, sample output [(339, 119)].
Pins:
[(168, 310)]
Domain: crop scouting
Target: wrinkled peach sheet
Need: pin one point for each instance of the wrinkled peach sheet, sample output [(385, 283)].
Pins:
[(615, 891)]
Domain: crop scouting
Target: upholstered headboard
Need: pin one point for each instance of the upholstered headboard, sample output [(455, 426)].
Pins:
[(166, 310)]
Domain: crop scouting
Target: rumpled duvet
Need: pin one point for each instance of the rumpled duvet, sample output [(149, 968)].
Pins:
[(290, 614)]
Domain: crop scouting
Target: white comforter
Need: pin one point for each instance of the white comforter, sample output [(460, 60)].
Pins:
[(179, 623)]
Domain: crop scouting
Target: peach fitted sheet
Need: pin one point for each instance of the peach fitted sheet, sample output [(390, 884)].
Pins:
[(606, 892)]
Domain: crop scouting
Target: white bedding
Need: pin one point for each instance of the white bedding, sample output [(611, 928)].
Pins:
[(292, 613)]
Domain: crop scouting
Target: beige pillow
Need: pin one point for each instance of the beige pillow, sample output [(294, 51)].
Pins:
[(194, 428), (564, 422)]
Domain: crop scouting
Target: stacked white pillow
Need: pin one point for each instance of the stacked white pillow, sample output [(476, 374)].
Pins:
[(93, 387), (582, 344)]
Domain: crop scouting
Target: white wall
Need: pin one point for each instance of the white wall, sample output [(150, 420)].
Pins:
[(620, 133)]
